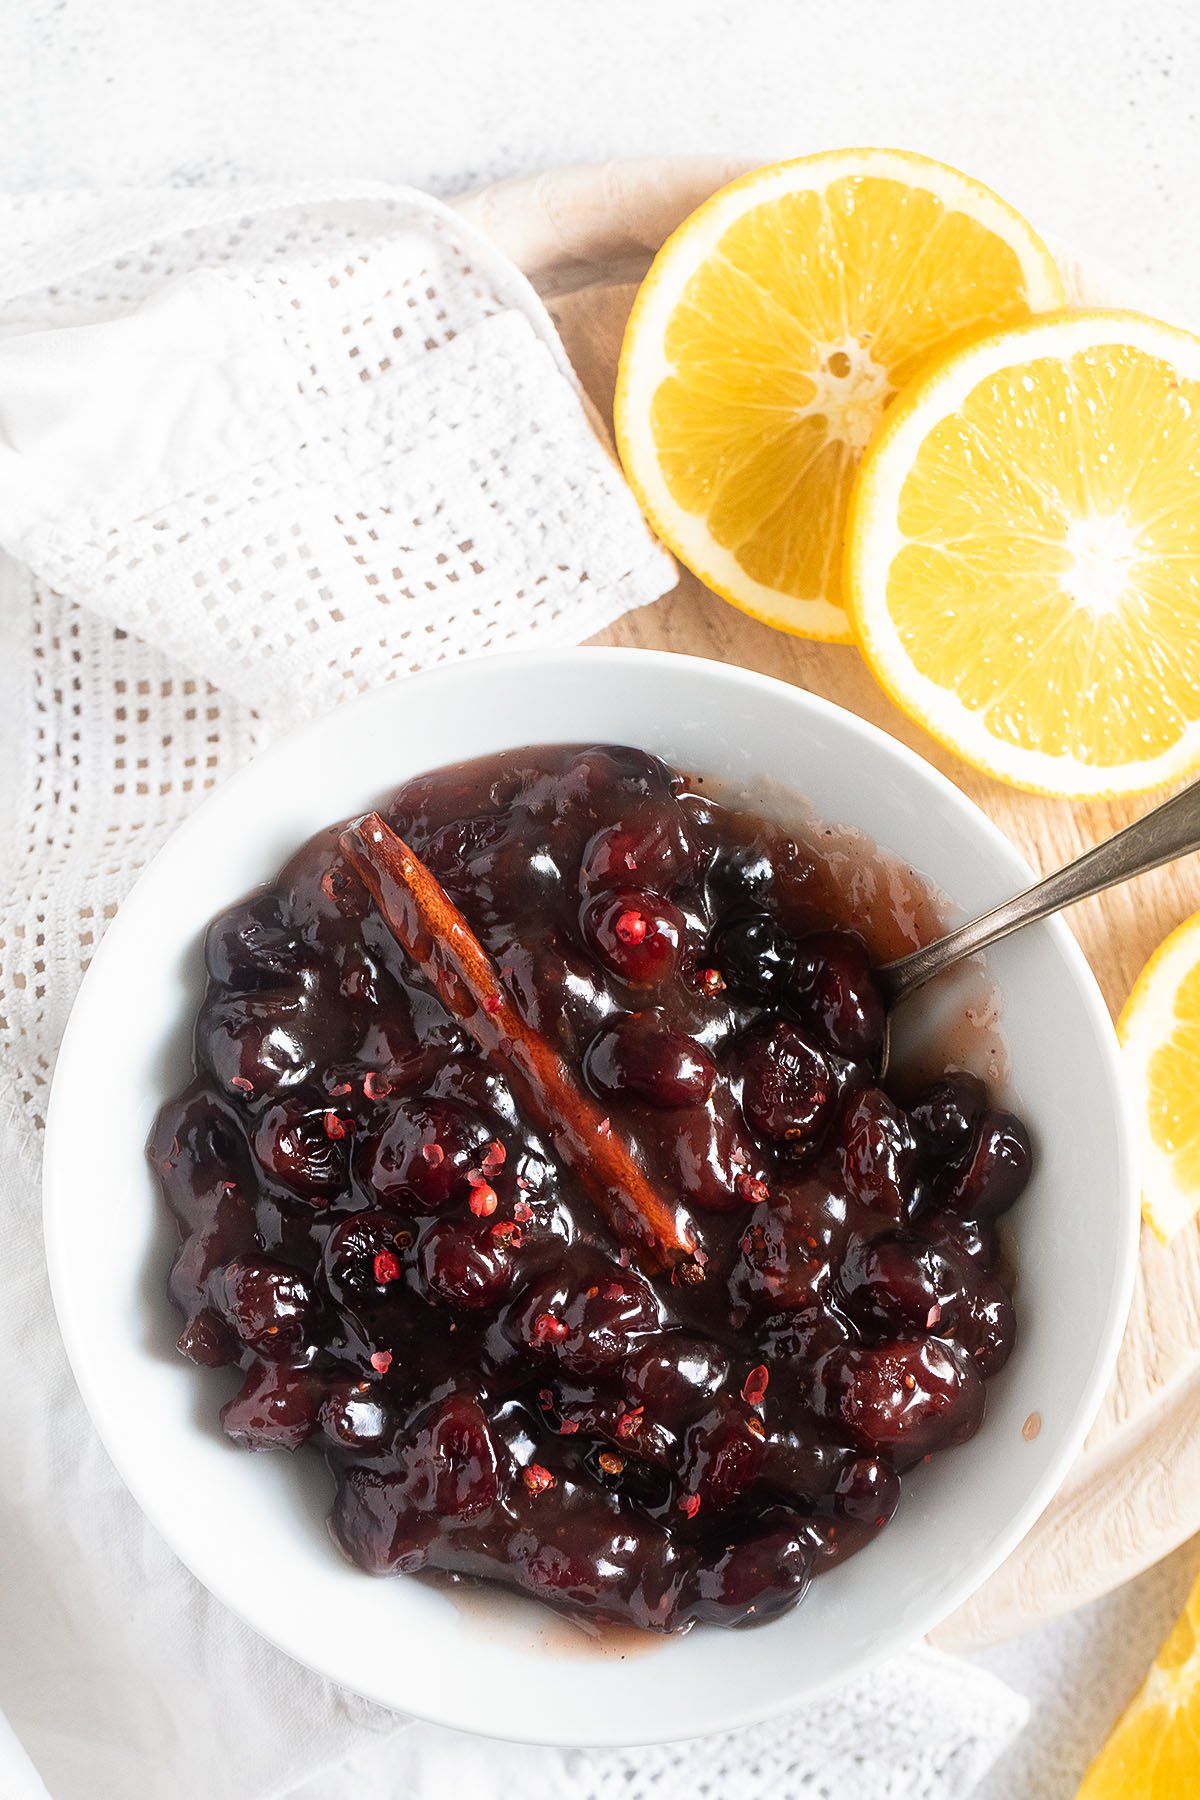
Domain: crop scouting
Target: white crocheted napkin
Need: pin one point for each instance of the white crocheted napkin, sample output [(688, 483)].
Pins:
[(258, 452)]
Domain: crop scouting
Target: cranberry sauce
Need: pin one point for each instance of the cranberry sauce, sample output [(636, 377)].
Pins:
[(409, 1281)]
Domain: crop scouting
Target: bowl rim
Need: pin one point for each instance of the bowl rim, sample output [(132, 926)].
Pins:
[(57, 1181)]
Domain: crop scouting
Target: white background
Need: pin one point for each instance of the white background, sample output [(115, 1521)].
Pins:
[(1084, 113)]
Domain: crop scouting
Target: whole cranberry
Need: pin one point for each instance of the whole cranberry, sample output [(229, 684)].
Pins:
[(713, 1161), (787, 1084), (672, 1375), (363, 1259), (969, 1240), (867, 1491), (451, 1465), (638, 1057), (879, 1152), (799, 1464), (722, 1454), (249, 946), (758, 1577), (985, 1324), (305, 1147), (254, 1043), (467, 1266), (754, 954), (945, 1113), (650, 848), (904, 1399), (833, 992), (899, 1285), (267, 1304), (587, 1316), (275, 1408), (421, 1156), (635, 934), (995, 1171), (789, 1245)]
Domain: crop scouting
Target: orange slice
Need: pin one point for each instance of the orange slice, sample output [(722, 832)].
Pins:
[(1023, 553), (1154, 1751), (1160, 1035), (769, 335)]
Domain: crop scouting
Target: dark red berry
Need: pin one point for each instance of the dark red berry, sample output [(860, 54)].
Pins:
[(906, 1398), (267, 1304), (465, 1265), (295, 1147), (421, 1159), (834, 995), (638, 1057), (360, 1260), (879, 1152), (645, 961), (754, 954), (787, 1084), (995, 1171)]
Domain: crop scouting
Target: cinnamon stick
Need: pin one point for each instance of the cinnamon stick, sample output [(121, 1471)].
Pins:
[(429, 927)]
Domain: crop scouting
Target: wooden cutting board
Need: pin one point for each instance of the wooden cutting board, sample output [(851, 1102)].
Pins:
[(585, 236)]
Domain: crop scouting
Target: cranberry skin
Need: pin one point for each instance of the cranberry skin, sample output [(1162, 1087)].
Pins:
[(650, 848), (596, 1313), (352, 1259), (420, 1159), (612, 929), (995, 1171), (792, 1341), (721, 1457), (267, 1304), (973, 1242), (575, 1550), (639, 1057), (945, 1114), (673, 1376), (451, 1466), (867, 1492), (249, 947), (799, 1464), (374, 1525), (789, 1245), (833, 992), (758, 1578), (787, 1084), (906, 1398), (294, 1147), (354, 1415), (208, 1341), (754, 954), (898, 1285), (275, 1409), (253, 1044), (711, 1157), (879, 1152), (464, 1265), (985, 1324)]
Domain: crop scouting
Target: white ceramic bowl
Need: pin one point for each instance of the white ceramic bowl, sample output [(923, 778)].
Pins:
[(251, 1527)]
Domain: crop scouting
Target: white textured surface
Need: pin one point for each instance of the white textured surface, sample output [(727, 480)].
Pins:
[(1081, 112)]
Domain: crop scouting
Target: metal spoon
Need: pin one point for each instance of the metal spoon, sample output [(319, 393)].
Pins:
[(1170, 831)]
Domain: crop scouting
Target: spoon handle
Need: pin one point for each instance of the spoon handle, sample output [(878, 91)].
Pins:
[(1170, 831)]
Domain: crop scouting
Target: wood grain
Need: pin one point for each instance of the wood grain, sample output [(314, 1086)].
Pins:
[(585, 236)]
